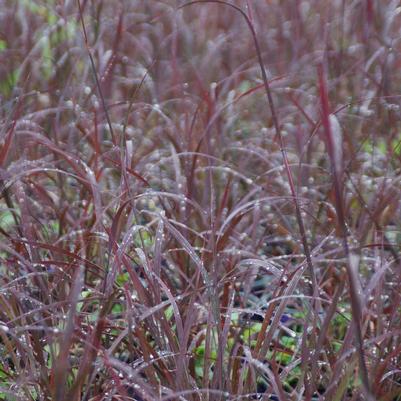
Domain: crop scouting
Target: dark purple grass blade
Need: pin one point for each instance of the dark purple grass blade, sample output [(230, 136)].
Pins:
[(351, 268)]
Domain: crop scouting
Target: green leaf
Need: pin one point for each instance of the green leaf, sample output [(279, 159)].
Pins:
[(7, 85), (121, 279), (6, 220)]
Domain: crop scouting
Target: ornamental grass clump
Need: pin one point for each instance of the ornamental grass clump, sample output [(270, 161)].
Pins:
[(200, 200)]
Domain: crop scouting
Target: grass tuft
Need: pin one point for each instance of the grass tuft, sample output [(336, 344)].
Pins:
[(200, 200)]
